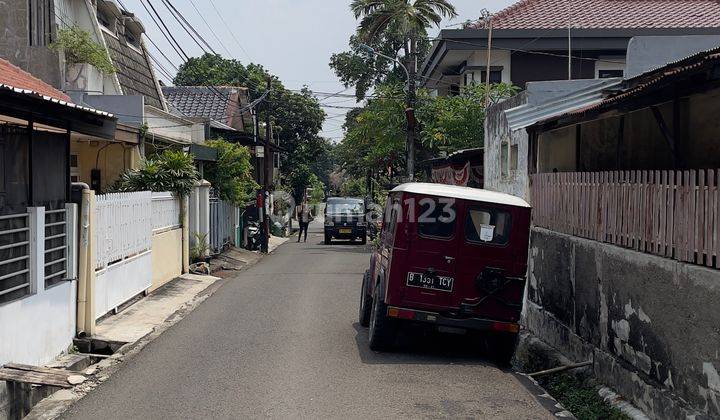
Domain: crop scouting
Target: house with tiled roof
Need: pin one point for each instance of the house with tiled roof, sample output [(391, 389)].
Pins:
[(221, 106), (537, 40)]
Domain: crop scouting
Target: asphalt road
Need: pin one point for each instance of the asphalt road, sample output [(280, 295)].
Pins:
[(281, 340)]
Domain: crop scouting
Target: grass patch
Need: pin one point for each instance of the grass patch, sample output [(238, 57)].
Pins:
[(580, 398)]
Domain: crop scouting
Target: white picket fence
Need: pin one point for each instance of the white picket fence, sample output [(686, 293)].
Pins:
[(123, 226), (166, 212)]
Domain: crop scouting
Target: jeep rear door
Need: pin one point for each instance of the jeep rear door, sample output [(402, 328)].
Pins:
[(432, 251)]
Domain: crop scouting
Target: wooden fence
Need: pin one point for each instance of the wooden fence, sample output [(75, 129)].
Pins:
[(674, 214)]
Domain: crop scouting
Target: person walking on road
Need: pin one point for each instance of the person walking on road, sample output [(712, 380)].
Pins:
[(302, 213)]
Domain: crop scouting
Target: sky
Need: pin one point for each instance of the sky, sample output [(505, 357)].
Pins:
[(293, 39)]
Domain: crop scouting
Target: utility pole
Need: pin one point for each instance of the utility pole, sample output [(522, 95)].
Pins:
[(489, 54), (267, 162), (569, 52), (410, 110)]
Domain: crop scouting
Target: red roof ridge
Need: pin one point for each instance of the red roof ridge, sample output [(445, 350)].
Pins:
[(13, 76)]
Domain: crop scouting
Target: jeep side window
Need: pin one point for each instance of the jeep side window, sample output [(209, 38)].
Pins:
[(487, 226)]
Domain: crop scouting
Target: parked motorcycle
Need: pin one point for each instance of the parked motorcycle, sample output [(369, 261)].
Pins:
[(254, 236)]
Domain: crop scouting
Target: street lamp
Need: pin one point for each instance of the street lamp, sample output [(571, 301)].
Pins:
[(370, 50), (409, 110)]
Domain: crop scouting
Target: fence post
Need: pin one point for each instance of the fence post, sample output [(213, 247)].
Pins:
[(36, 222), (204, 207), (184, 217), (194, 211), (86, 266), (71, 230)]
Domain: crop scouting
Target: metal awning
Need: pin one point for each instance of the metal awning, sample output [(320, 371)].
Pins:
[(526, 115), (42, 109)]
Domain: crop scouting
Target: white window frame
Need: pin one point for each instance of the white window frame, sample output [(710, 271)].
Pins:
[(609, 62)]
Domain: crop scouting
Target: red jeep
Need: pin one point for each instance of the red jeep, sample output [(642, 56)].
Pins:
[(450, 257)]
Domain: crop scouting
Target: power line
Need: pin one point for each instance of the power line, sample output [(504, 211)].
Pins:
[(222, 44), (232, 34), (189, 29), (170, 38)]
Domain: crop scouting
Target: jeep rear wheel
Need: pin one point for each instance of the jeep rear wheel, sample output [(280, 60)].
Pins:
[(365, 301), (382, 330)]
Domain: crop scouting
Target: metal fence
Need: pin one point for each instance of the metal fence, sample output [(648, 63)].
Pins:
[(223, 220), (123, 226), (56, 246), (674, 214), (15, 256), (166, 211), (36, 251)]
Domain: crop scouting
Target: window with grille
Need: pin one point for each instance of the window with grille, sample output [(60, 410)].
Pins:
[(14, 257)]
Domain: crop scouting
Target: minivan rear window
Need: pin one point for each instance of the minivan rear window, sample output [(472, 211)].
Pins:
[(437, 218), (487, 226), (345, 206)]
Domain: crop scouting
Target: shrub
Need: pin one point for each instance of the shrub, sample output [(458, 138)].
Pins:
[(232, 174), (79, 48), (173, 171)]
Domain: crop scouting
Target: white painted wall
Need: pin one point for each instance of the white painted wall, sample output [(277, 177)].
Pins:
[(120, 282), (497, 58), (610, 62), (515, 182), (36, 329), (165, 124)]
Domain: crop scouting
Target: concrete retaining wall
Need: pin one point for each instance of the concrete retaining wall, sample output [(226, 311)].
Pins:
[(651, 325)]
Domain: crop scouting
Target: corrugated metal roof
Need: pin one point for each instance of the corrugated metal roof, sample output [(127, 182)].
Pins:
[(527, 115), (56, 100), (645, 81)]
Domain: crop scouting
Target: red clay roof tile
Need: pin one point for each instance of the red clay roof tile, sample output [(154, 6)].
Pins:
[(16, 77), (609, 14)]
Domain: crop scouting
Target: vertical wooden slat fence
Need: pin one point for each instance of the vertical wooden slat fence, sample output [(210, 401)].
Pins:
[(674, 214)]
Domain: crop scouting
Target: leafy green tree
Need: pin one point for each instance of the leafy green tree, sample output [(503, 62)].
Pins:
[(232, 175), (173, 171), (381, 20), (451, 123), (302, 177), (296, 116), (354, 187), (375, 135)]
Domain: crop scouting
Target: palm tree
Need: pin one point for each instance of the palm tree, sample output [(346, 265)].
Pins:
[(411, 18)]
